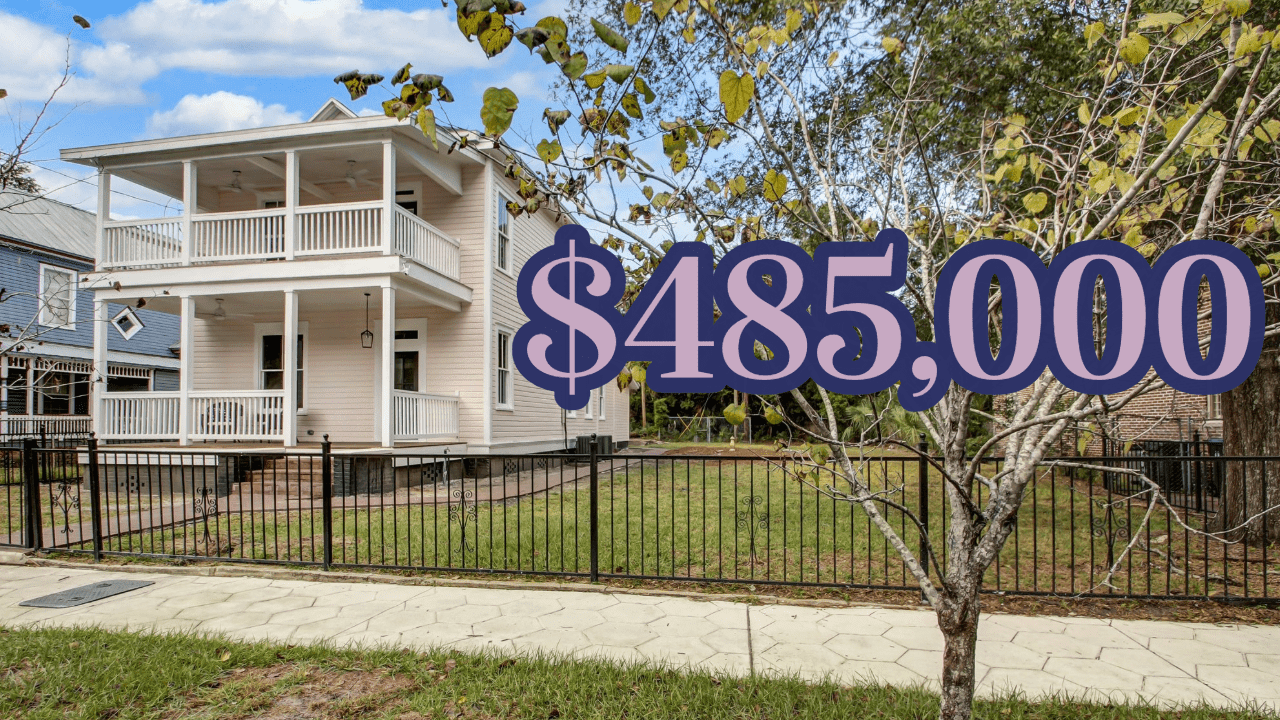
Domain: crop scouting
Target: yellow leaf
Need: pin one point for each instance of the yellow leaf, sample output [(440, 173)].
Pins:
[(631, 13), (831, 59), (775, 185), (1082, 112), (1193, 29), (1268, 131), (1242, 152), (1128, 116), (1263, 271), (225, 656), (1134, 48), (1237, 8), (1093, 32), (1250, 42), (736, 92), (893, 46), (1035, 202), (1160, 20)]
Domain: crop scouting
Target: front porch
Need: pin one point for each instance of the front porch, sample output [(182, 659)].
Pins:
[(372, 378)]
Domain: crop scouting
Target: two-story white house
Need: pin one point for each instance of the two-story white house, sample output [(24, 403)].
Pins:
[(392, 263)]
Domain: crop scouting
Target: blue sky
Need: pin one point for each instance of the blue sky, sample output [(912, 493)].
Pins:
[(161, 68)]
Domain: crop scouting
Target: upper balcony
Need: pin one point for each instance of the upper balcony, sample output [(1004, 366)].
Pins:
[(338, 185)]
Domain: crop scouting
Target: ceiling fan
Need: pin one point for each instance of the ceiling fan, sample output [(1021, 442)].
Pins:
[(354, 177), (237, 186), (220, 313)]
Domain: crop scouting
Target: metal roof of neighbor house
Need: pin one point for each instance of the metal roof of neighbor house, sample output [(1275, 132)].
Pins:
[(39, 221)]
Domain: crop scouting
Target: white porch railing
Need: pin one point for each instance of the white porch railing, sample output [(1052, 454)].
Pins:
[(142, 243), (251, 235), (140, 416), (419, 240), (326, 229), (237, 415), (421, 416), (51, 425), (351, 228)]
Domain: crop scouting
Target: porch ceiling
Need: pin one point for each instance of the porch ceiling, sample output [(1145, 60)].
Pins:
[(259, 307), (323, 172)]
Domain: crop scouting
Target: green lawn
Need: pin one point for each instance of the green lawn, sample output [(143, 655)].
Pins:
[(92, 674), (746, 521)]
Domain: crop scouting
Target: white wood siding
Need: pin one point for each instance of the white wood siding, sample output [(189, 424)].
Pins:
[(536, 416)]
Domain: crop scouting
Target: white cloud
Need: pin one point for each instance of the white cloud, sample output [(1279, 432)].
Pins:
[(217, 112), (281, 38)]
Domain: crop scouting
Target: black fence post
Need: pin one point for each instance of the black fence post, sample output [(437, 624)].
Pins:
[(595, 514), (923, 447), (326, 495), (95, 499), (31, 493)]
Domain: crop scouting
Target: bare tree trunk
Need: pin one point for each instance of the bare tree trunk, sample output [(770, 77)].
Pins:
[(958, 620), (1251, 426)]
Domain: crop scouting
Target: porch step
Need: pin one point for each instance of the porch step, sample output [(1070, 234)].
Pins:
[(288, 477)]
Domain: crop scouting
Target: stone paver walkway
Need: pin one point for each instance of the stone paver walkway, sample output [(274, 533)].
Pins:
[(1162, 662)]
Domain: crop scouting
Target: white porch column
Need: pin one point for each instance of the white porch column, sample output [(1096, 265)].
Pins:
[(388, 196), (289, 341), (291, 176), (104, 214), (188, 207), (186, 345), (98, 379), (388, 365)]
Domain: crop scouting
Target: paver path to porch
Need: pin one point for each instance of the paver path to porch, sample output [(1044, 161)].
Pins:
[(1162, 662)]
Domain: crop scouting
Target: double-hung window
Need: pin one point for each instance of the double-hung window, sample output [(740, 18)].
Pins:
[(57, 297), (271, 360), (503, 249), (505, 388)]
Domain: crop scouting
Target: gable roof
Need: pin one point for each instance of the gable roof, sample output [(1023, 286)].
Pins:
[(41, 222), (332, 110)]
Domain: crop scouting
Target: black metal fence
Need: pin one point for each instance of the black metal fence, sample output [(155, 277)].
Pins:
[(754, 520)]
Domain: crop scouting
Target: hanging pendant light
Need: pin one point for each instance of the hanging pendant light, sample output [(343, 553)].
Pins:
[(366, 337)]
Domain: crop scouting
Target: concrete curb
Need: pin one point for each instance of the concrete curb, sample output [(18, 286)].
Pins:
[(271, 573), (14, 557)]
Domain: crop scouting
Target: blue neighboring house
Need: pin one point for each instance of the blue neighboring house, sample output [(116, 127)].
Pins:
[(46, 323)]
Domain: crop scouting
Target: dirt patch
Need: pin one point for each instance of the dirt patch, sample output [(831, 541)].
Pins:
[(290, 692)]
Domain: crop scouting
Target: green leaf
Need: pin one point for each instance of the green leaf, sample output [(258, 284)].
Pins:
[(820, 453), (631, 13), (555, 118), (426, 83), (643, 88), (775, 185), (609, 36), (631, 106), (402, 75), (575, 65), (624, 379), (735, 414), (1160, 20), (772, 416), (549, 150), (736, 92), (1035, 202), (532, 37), (1134, 48), (554, 26), (638, 372), (427, 123), (499, 104), (618, 73), (496, 39)]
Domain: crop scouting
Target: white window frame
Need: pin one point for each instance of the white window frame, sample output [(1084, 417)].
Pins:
[(500, 359), (73, 287), (261, 329), (600, 403), (127, 312), (499, 236), (1213, 407)]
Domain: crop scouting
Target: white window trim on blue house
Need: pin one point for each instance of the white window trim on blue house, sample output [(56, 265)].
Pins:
[(73, 285)]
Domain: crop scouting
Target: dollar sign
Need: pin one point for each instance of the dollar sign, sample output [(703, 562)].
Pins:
[(567, 315)]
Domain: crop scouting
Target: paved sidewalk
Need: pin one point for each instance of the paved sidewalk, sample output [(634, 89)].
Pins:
[(1161, 662)]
